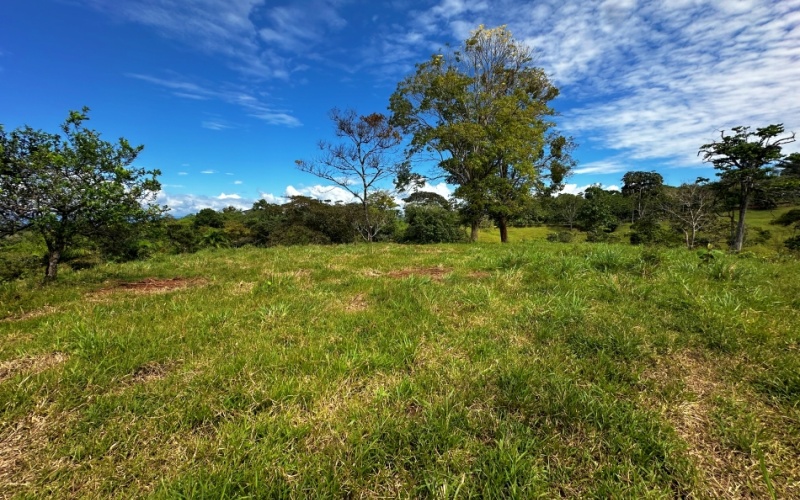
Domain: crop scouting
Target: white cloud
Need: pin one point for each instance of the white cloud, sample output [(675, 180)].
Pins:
[(237, 182), (208, 171), (324, 193), (601, 167), (275, 200), (233, 196), (215, 125), (183, 173), (576, 189), (184, 204)]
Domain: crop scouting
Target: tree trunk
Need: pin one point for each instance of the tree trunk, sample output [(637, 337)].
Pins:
[(53, 256), (739, 241), (367, 227), (473, 235), (502, 223)]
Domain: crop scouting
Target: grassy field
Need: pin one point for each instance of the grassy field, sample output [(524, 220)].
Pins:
[(532, 369)]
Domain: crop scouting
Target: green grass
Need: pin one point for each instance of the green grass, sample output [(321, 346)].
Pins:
[(532, 369)]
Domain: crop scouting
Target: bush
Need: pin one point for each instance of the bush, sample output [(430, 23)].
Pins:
[(432, 224), (298, 235), (599, 236), (561, 237), (792, 243)]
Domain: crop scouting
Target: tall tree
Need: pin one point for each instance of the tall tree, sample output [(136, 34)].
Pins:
[(745, 160), (642, 187), (71, 184), (366, 156), (482, 111)]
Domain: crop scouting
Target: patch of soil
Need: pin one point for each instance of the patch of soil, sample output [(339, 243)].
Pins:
[(436, 273), (357, 304), (30, 364), (153, 285), (150, 371)]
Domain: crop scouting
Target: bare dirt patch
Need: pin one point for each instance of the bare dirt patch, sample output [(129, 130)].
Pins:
[(153, 285), (30, 364), (435, 273), (149, 372)]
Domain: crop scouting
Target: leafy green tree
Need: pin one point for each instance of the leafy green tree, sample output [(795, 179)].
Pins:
[(208, 217), (365, 157), (745, 160), (424, 198), (790, 166), (642, 188), (565, 208), (71, 184), (482, 113), (595, 215)]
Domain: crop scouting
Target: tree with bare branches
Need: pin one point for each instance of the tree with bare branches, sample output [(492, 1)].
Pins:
[(367, 154), (690, 208)]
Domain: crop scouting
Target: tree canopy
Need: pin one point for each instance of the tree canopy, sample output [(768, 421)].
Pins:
[(482, 112), (745, 159), (71, 184)]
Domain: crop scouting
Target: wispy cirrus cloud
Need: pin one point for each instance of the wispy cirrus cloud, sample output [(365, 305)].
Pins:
[(252, 105), (653, 79)]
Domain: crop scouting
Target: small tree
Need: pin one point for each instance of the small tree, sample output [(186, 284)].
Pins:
[(690, 208), (565, 208), (71, 185), (595, 215), (365, 157), (745, 161)]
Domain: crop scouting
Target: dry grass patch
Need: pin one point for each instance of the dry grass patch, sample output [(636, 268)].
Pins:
[(30, 364), (725, 472), (357, 304), (152, 285), (22, 449), (31, 314), (436, 273)]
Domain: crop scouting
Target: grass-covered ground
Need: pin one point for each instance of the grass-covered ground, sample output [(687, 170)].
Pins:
[(521, 370)]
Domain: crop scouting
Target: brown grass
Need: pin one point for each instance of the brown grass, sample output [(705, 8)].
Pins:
[(357, 304), (152, 285), (31, 314), (724, 472), (30, 364), (436, 273)]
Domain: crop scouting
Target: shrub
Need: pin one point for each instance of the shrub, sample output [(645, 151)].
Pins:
[(792, 243), (298, 235), (561, 237), (432, 224)]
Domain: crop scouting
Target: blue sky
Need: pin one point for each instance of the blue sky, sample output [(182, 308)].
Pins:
[(226, 94)]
